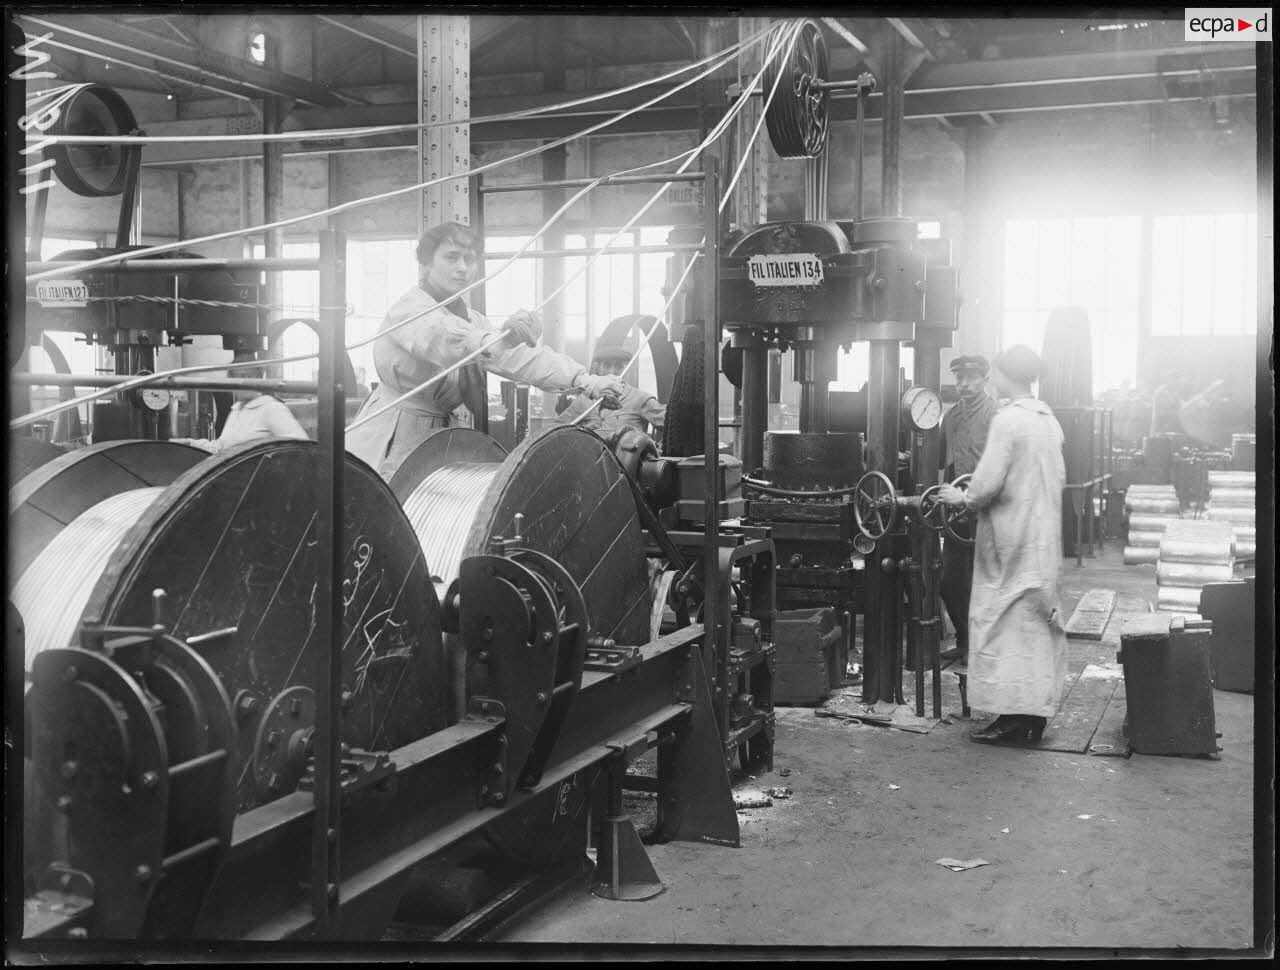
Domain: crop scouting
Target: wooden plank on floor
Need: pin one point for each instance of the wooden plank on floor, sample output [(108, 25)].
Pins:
[(1109, 740), (1089, 619), (1073, 727)]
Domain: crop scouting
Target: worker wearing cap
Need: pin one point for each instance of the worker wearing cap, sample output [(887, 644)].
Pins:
[(408, 354), (964, 435), (1018, 648), (636, 407), (255, 415)]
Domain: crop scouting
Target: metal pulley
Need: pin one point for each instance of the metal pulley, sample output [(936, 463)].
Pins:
[(797, 117)]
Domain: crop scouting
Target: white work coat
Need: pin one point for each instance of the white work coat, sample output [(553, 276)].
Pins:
[(417, 351), (263, 417), (1017, 645)]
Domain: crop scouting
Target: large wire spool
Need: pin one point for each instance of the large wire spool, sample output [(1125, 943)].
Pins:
[(797, 117), (579, 510), (232, 543), (47, 499), (27, 454)]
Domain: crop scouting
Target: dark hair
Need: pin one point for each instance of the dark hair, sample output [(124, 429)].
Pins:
[(454, 232), (1020, 363)]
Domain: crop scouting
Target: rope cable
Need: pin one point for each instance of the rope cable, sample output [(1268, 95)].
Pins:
[(369, 131), (710, 138), (382, 197)]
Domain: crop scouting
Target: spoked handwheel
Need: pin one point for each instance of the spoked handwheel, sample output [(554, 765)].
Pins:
[(951, 515), (875, 505)]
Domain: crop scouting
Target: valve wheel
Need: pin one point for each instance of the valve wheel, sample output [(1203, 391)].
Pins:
[(929, 507), (875, 505), (954, 515)]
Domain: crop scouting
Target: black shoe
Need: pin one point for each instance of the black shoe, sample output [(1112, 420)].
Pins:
[(955, 653), (1011, 729)]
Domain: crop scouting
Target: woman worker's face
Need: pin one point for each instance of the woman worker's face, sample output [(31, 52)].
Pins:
[(452, 267)]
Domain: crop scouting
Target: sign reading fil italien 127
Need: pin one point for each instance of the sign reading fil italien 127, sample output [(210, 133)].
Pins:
[(789, 269)]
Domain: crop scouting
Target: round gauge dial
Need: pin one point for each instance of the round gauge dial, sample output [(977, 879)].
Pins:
[(151, 398), (864, 545), (923, 408)]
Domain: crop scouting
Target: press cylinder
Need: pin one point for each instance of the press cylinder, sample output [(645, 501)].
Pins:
[(1149, 538), (1144, 522), (1153, 506), (1223, 496), (1232, 479), (1184, 598)]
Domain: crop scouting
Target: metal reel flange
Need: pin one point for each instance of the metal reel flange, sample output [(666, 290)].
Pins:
[(100, 765), (954, 515), (45, 500), (232, 541), (797, 117), (875, 505), (579, 510)]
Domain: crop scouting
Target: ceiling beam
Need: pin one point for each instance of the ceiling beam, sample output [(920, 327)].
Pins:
[(958, 107), (236, 76), (907, 34), (370, 30)]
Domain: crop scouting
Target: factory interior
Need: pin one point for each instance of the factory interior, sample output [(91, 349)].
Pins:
[(564, 484)]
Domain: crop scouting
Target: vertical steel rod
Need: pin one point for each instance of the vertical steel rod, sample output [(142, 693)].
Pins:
[(325, 873), (857, 162), (711, 431), (755, 405)]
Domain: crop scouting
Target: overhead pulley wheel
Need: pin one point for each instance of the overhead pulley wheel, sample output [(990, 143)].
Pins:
[(797, 117), (875, 505), (94, 171)]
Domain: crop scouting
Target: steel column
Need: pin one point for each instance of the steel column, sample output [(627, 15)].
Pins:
[(444, 93), (716, 642), (750, 202), (882, 637), (273, 114), (890, 184), (755, 405), (325, 848)]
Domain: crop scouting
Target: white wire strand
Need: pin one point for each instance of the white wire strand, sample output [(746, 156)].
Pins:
[(382, 197), (370, 131), (141, 380)]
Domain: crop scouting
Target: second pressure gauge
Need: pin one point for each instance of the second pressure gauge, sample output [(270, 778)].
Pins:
[(922, 407)]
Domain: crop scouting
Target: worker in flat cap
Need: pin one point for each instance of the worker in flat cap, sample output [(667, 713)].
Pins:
[(964, 435), (407, 355), (635, 407), (1017, 645), (254, 416)]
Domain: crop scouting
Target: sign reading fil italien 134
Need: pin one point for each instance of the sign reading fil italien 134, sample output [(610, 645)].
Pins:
[(1250, 24), (785, 269)]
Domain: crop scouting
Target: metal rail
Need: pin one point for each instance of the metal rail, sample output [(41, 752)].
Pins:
[(179, 265), (611, 251), (579, 183), (171, 383)]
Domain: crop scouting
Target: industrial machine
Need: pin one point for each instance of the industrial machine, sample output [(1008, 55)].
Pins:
[(504, 658)]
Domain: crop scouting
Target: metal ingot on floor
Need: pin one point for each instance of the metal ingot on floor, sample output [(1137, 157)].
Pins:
[(1168, 685)]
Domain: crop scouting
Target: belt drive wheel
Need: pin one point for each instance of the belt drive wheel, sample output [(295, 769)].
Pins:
[(232, 540), (578, 509)]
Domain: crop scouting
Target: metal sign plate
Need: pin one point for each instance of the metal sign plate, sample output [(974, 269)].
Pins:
[(787, 269), (62, 293)]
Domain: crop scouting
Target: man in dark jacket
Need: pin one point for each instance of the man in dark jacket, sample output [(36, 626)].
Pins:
[(964, 435)]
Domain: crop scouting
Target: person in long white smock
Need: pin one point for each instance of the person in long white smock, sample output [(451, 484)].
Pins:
[(254, 416), (1017, 644), (408, 354)]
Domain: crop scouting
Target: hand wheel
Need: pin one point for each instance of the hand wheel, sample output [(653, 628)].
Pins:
[(875, 505), (958, 514)]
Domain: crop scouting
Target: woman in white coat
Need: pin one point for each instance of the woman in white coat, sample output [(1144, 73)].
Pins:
[(1017, 645), (405, 356)]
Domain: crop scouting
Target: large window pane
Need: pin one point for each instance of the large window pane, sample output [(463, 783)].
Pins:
[(1197, 269), (1166, 276), (1021, 267), (1054, 261)]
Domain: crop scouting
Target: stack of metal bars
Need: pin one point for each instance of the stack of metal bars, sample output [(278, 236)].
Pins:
[(1149, 509), (1191, 554), (1232, 499)]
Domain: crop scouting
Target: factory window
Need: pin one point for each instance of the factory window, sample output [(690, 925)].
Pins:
[(1091, 263), (1204, 274)]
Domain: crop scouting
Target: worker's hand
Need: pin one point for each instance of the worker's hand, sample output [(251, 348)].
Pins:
[(523, 326), (606, 386), (950, 495)]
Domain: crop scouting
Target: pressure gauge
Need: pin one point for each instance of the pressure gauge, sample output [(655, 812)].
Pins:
[(152, 398), (864, 545), (922, 407)]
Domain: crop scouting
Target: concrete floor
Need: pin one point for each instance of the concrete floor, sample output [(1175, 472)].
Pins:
[(1083, 851)]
